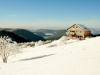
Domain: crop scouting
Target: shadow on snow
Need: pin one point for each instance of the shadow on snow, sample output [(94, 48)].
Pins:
[(38, 57)]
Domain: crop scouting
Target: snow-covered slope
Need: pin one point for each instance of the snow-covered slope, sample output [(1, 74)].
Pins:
[(74, 58)]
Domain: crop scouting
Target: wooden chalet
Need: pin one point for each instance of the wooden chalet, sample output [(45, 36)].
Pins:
[(78, 31)]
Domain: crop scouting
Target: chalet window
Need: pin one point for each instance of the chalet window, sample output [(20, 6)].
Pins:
[(80, 31), (72, 31)]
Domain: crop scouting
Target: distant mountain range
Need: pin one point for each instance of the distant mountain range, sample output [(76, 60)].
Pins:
[(45, 33), (27, 35), (46, 30), (57, 35), (40, 34), (13, 36), (20, 35)]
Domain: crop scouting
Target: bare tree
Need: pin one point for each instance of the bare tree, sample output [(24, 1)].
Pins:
[(7, 47), (63, 39), (39, 43)]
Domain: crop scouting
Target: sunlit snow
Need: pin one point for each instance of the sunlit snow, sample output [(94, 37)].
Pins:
[(73, 57)]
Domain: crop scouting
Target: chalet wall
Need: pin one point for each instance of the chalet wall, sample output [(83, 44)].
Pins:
[(77, 30), (86, 33)]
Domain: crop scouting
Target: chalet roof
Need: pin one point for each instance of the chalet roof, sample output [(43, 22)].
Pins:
[(95, 31), (83, 26)]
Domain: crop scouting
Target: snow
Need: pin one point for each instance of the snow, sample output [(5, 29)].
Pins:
[(48, 33), (95, 31), (73, 58), (83, 26)]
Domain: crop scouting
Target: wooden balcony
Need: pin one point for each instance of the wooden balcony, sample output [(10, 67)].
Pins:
[(70, 33)]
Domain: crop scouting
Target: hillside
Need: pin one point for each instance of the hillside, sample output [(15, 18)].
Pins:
[(74, 58), (46, 30), (28, 35), (45, 33), (57, 35), (13, 36), (20, 35), (40, 34)]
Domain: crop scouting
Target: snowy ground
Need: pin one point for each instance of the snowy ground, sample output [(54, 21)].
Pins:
[(74, 58)]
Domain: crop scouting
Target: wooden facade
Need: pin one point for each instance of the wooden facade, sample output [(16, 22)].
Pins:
[(78, 31)]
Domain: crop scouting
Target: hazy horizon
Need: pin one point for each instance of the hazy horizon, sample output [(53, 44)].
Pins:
[(49, 14)]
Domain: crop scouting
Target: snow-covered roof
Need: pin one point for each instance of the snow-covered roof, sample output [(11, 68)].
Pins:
[(94, 31), (83, 26)]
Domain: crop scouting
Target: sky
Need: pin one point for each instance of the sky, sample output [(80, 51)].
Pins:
[(49, 14)]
